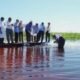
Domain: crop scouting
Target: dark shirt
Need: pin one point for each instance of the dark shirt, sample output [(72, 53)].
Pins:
[(28, 27)]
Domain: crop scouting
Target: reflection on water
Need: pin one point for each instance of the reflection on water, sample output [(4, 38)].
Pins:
[(60, 52), (39, 62)]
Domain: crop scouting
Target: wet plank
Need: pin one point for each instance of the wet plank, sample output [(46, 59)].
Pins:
[(20, 44)]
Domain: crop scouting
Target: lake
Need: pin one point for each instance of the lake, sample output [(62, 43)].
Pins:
[(41, 62)]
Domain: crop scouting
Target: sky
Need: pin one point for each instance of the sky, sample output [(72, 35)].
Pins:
[(64, 15)]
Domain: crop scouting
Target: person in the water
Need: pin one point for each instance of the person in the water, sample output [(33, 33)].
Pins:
[(60, 40)]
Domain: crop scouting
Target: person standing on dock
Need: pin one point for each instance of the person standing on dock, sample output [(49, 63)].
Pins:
[(40, 35), (34, 32), (21, 32), (1, 30), (28, 31), (16, 31), (48, 33), (9, 30)]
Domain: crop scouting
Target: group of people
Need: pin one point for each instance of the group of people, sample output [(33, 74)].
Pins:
[(34, 33), (14, 31), (10, 33)]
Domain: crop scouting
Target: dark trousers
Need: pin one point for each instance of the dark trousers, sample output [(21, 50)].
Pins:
[(61, 42), (40, 36), (16, 37), (28, 36), (9, 35), (21, 37), (47, 36), (1, 40)]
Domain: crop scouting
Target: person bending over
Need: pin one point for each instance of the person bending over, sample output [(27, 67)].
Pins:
[(60, 40)]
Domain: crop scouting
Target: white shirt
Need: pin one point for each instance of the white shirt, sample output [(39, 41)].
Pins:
[(47, 29), (58, 36), (1, 24), (33, 31), (9, 25), (41, 28)]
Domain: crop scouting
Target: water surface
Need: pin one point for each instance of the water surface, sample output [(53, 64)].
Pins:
[(41, 62)]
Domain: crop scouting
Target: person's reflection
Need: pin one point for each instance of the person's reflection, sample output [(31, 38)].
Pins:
[(21, 53), (47, 50), (60, 52), (29, 55), (1, 56), (18, 56), (9, 61), (42, 58), (60, 57), (47, 53), (41, 55), (36, 55)]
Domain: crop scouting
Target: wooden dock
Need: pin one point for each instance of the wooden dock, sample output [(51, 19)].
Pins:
[(20, 44)]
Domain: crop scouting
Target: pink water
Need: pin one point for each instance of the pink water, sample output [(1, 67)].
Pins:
[(40, 63)]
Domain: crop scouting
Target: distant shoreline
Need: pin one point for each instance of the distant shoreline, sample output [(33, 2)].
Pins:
[(68, 35)]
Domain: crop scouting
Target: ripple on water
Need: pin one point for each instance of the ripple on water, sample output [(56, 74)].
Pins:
[(41, 62)]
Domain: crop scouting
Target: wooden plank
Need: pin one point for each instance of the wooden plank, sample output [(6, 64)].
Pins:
[(20, 44)]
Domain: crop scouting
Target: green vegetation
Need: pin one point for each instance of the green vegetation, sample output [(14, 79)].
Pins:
[(69, 36)]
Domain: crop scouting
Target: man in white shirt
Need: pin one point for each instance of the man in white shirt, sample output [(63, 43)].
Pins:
[(1, 30), (34, 32), (16, 31), (60, 40), (40, 35), (9, 31), (48, 33)]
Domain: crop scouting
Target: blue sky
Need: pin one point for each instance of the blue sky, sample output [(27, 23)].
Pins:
[(64, 15)]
